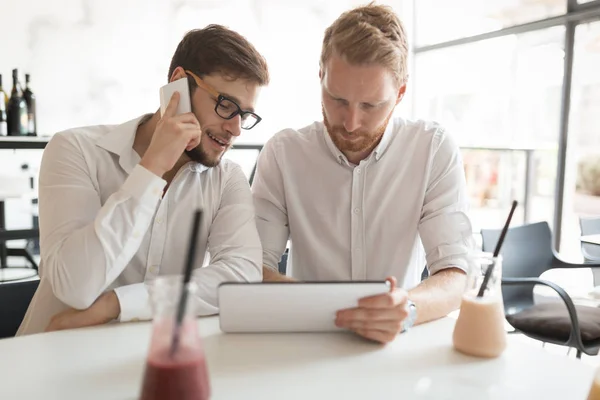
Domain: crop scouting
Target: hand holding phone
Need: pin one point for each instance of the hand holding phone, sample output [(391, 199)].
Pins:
[(174, 133), (166, 92)]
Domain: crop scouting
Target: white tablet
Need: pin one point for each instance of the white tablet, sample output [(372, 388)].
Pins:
[(289, 307)]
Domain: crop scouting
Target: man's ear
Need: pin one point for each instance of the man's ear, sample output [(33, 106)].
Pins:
[(401, 92), (178, 73)]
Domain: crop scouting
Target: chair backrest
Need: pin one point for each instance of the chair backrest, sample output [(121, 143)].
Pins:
[(424, 274), (284, 258), (14, 300), (282, 266), (526, 253)]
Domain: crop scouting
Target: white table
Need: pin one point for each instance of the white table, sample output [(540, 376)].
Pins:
[(107, 363), (592, 239)]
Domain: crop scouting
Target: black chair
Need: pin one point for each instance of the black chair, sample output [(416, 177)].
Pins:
[(14, 300), (282, 266), (527, 252), (424, 274)]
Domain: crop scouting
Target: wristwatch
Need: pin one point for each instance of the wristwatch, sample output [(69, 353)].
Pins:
[(411, 307)]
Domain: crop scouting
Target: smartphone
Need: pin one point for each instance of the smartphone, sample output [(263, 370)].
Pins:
[(181, 86)]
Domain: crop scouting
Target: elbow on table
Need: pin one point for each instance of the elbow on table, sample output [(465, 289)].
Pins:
[(77, 295), (250, 270)]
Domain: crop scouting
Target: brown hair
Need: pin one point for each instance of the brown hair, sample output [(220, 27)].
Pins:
[(216, 48), (367, 35)]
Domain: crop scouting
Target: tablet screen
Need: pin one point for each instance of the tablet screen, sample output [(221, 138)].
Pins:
[(289, 307)]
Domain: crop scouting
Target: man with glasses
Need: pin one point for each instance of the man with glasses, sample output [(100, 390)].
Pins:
[(363, 195), (116, 201)]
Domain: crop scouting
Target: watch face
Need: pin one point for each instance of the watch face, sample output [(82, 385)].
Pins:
[(412, 315)]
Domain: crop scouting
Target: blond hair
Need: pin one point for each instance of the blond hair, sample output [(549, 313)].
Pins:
[(369, 35)]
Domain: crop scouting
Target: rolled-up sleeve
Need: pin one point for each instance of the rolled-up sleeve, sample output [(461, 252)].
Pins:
[(445, 228), (134, 301), (270, 205)]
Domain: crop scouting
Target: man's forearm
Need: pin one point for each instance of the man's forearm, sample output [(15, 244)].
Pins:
[(270, 275), (438, 295), (105, 309)]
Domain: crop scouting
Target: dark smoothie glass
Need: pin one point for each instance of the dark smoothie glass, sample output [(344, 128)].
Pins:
[(178, 372)]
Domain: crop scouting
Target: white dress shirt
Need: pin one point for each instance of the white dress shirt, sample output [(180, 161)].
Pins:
[(400, 209), (105, 225)]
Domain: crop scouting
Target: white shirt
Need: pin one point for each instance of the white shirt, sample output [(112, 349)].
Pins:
[(401, 208), (104, 225)]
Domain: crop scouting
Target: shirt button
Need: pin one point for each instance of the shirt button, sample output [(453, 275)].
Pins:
[(154, 269), (358, 171), (356, 210), (158, 221)]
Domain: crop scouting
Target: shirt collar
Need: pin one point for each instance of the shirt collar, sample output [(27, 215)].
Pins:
[(388, 134), (385, 140), (119, 141), (337, 154)]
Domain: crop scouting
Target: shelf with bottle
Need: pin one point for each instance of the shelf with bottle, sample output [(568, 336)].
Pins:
[(23, 142), (18, 112)]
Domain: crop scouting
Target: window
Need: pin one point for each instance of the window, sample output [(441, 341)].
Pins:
[(582, 178), (500, 98), (441, 20), (493, 73)]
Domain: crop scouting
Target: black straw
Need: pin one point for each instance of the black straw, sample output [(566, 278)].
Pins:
[(187, 275), (488, 272)]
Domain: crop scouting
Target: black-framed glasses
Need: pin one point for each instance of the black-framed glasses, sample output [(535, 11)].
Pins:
[(227, 108)]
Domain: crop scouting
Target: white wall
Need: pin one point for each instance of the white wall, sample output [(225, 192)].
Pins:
[(103, 61)]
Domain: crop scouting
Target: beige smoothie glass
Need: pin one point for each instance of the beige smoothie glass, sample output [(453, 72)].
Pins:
[(479, 329)]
